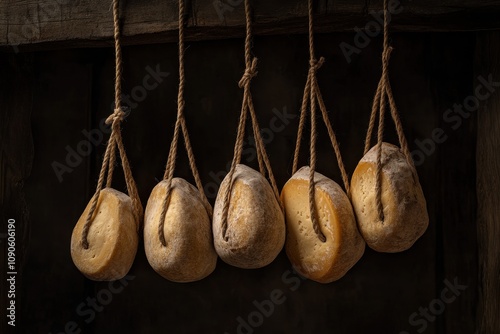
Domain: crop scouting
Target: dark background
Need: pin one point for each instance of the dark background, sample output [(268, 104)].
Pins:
[(72, 90)]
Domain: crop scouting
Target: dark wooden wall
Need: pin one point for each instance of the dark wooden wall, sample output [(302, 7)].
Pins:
[(72, 91), (16, 159), (488, 175)]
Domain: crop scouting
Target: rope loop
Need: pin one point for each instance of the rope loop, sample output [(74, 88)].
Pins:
[(312, 97), (115, 140), (180, 126), (247, 107), (382, 96)]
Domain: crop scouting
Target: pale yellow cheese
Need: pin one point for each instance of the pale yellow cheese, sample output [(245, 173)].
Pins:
[(112, 238), (404, 206), (189, 254), (330, 260), (255, 223)]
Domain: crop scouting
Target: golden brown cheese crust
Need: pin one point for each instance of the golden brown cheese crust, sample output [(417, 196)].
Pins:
[(189, 254), (405, 211), (112, 238), (327, 261), (255, 224)]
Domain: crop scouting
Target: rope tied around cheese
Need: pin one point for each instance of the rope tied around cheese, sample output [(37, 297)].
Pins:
[(180, 125), (115, 140), (382, 95), (312, 97), (247, 107)]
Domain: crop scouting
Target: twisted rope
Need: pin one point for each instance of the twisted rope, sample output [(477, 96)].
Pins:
[(247, 107), (180, 125), (383, 92), (115, 140), (312, 97)]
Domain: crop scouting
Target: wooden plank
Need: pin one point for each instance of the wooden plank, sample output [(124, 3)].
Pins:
[(16, 158), (456, 250), (28, 24), (488, 182)]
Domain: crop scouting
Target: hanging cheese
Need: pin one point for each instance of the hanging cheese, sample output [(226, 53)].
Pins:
[(255, 224), (189, 253), (405, 212), (112, 238), (319, 261)]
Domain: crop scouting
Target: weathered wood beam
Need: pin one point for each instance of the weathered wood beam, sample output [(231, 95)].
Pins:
[(488, 180), (47, 24)]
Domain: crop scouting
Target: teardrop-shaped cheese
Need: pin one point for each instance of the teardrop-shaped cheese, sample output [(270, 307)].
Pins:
[(112, 238), (405, 211), (189, 254), (319, 261), (255, 224)]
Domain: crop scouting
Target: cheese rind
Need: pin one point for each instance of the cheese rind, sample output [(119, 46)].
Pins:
[(112, 238), (255, 223), (189, 254), (404, 206), (327, 261)]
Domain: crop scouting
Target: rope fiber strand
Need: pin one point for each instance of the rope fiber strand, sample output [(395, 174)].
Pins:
[(115, 140), (382, 95), (312, 97), (180, 126), (247, 107)]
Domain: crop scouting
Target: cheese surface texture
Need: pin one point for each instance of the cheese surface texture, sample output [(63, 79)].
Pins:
[(189, 254), (112, 238), (404, 206), (255, 224), (327, 261)]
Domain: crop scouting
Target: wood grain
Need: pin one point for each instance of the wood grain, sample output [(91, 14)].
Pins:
[(488, 183), (47, 24), (16, 159), (456, 251)]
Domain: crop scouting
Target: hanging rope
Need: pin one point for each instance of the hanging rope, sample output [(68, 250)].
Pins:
[(115, 140), (247, 107), (180, 125), (384, 91), (313, 98)]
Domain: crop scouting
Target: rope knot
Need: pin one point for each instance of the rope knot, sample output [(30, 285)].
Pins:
[(314, 64), (250, 72), (117, 115), (386, 54)]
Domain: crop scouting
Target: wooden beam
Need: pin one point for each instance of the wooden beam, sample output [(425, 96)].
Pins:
[(488, 181), (48, 24)]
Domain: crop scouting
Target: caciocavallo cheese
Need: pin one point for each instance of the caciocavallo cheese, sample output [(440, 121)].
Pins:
[(112, 238), (255, 224), (189, 254), (319, 261), (404, 206)]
